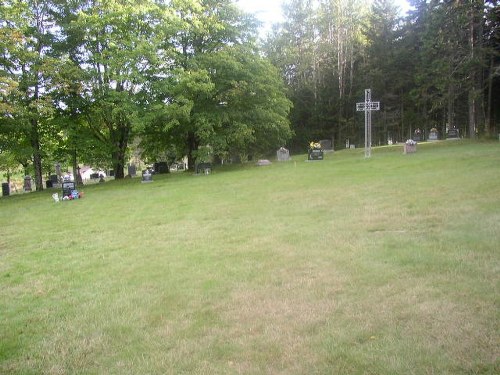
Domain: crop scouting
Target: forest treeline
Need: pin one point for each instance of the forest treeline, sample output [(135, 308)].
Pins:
[(93, 81), (437, 67)]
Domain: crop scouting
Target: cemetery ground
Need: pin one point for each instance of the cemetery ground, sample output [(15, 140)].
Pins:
[(387, 265)]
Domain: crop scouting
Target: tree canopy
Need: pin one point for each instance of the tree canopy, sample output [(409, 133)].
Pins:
[(81, 80), (435, 68)]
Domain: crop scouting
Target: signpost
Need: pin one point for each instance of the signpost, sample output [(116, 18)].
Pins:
[(368, 106)]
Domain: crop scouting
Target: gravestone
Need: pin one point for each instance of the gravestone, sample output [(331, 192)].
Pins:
[(315, 154), (203, 168), (283, 154), (5, 189), (417, 135), (263, 162), (433, 135), (147, 176), (67, 188), (27, 183), (453, 133), (160, 167), (326, 145), (410, 147), (132, 170)]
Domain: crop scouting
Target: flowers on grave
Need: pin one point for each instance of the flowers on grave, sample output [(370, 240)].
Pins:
[(410, 142), (315, 146), (75, 194)]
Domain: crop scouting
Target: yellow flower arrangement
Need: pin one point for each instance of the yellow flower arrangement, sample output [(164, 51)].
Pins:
[(315, 146)]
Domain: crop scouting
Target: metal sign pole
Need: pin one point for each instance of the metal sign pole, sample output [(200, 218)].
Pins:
[(368, 118)]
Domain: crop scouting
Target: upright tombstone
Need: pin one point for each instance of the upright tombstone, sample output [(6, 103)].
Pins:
[(160, 167), (203, 168), (27, 183), (453, 133), (417, 135), (67, 188), (147, 176), (315, 151), (283, 154), (410, 147), (433, 135), (326, 145), (132, 170), (5, 189)]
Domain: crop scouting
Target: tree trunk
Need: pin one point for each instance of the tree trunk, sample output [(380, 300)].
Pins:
[(120, 136), (37, 157), (475, 41), (119, 160), (76, 170), (192, 144), (490, 97), (119, 164), (451, 102)]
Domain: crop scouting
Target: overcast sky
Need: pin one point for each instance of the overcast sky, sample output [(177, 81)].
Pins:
[(269, 11)]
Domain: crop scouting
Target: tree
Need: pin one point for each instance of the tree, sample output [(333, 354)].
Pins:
[(28, 65), (451, 63), (317, 49), (118, 49), (218, 90), (491, 43), (382, 69)]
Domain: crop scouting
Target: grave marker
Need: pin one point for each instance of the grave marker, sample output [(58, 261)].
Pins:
[(27, 183), (453, 133), (132, 170), (283, 154), (433, 135), (147, 176), (326, 145)]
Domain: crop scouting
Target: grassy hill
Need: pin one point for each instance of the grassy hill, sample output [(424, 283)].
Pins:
[(387, 265)]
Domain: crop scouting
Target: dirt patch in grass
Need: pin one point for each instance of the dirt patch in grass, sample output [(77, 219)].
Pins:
[(280, 320)]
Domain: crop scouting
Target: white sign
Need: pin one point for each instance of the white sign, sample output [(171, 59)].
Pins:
[(371, 106)]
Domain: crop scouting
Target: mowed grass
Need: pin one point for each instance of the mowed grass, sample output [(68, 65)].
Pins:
[(387, 265)]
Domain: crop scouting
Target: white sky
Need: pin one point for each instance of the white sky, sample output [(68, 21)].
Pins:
[(269, 11)]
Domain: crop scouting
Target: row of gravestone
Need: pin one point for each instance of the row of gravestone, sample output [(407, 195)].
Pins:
[(452, 133), (283, 154)]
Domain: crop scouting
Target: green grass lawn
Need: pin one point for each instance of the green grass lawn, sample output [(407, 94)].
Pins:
[(387, 265)]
